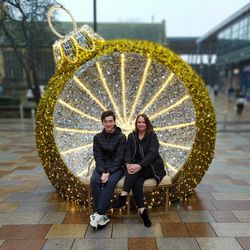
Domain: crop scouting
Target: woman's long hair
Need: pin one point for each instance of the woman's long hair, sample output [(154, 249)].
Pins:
[(149, 126)]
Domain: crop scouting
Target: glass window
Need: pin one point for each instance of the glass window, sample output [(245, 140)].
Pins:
[(13, 68), (245, 21), (242, 23), (45, 64), (228, 33), (235, 27)]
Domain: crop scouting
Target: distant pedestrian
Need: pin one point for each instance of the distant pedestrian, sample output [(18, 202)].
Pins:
[(1, 85), (230, 93), (240, 102), (216, 89), (1, 89)]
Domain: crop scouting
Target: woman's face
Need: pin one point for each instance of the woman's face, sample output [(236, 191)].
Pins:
[(141, 124)]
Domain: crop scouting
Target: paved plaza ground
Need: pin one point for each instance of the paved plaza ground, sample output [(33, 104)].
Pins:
[(216, 216)]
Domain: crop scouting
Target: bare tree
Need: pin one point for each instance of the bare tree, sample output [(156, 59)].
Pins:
[(23, 23)]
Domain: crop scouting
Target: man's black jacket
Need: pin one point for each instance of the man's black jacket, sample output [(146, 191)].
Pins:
[(109, 150)]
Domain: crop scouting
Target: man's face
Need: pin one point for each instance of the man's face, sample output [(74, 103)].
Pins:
[(108, 124)]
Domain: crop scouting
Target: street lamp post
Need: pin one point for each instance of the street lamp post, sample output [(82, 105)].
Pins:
[(94, 7)]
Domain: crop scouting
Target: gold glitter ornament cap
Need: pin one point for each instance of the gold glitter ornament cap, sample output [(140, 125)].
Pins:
[(68, 47)]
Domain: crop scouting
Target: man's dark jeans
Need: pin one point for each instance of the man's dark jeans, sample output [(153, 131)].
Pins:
[(103, 193)]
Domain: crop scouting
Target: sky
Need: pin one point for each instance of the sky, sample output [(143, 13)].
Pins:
[(183, 17)]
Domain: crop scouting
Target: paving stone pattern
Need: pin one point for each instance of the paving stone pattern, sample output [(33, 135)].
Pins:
[(215, 216)]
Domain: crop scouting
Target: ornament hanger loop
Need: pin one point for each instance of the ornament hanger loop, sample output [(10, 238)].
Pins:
[(49, 15)]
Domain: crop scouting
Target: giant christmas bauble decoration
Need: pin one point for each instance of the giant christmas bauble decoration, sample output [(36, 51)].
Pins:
[(129, 77)]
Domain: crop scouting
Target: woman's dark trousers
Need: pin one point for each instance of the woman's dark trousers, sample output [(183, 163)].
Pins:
[(135, 182)]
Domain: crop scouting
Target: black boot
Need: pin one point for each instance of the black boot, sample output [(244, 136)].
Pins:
[(120, 202), (146, 220)]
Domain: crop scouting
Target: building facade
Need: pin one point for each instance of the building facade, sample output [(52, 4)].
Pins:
[(13, 78), (230, 41), (186, 47)]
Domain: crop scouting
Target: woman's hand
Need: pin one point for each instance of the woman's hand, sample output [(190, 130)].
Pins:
[(133, 168), (129, 170)]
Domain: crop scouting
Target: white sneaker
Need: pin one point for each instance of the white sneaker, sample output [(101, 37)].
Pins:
[(104, 220), (95, 219)]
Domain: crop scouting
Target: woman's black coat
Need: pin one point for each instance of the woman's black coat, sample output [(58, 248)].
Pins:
[(149, 153)]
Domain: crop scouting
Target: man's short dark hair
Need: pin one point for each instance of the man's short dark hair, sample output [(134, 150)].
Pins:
[(106, 114)]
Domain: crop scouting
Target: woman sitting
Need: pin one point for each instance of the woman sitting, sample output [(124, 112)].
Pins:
[(143, 161)]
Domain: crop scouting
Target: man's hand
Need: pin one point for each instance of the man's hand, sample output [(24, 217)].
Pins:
[(105, 177)]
